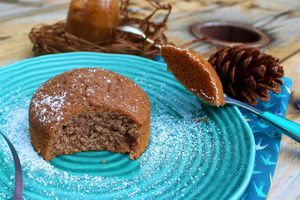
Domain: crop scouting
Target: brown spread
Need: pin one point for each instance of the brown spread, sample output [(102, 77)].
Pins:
[(93, 20), (194, 73)]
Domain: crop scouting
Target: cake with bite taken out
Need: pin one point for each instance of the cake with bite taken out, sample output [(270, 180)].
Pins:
[(89, 109)]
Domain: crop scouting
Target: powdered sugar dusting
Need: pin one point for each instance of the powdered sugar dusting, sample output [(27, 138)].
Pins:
[(169, 146), (51, 107)]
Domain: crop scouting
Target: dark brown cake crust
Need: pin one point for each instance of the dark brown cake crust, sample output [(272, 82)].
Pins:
[(68, 106)]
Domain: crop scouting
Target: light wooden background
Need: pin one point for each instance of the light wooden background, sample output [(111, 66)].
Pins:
[(279, 18)]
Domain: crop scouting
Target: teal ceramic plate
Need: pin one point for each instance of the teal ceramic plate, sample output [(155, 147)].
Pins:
[(195, 151)]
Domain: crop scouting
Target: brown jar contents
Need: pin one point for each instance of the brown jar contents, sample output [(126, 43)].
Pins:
[(89, 109), (93, 20), (194, 73)]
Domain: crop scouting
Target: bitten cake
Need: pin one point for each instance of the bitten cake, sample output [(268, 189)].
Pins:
[(89, 109)]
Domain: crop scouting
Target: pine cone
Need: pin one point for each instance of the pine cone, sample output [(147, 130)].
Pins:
[(246, 73)]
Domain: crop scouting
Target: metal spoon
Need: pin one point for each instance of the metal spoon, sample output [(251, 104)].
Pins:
[(138, 32), (290, 128)]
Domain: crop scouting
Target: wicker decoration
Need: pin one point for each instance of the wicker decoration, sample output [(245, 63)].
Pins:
[(55, 39), (247, 73)]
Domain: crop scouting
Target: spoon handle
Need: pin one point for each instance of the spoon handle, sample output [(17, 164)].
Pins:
[(292, 129)]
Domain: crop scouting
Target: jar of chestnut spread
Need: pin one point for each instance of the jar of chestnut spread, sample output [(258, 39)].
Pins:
[(93, 20)]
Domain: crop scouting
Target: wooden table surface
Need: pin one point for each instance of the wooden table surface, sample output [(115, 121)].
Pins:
[(279, 18)]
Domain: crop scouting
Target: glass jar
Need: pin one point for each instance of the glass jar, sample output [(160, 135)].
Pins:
[(93, 20)]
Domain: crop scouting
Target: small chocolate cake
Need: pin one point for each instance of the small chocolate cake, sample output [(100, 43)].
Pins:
[(89, 109)]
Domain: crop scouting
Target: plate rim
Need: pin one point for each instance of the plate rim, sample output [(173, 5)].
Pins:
[(238, 194)]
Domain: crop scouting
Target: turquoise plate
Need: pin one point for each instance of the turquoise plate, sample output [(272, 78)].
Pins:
[(195, 151)]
